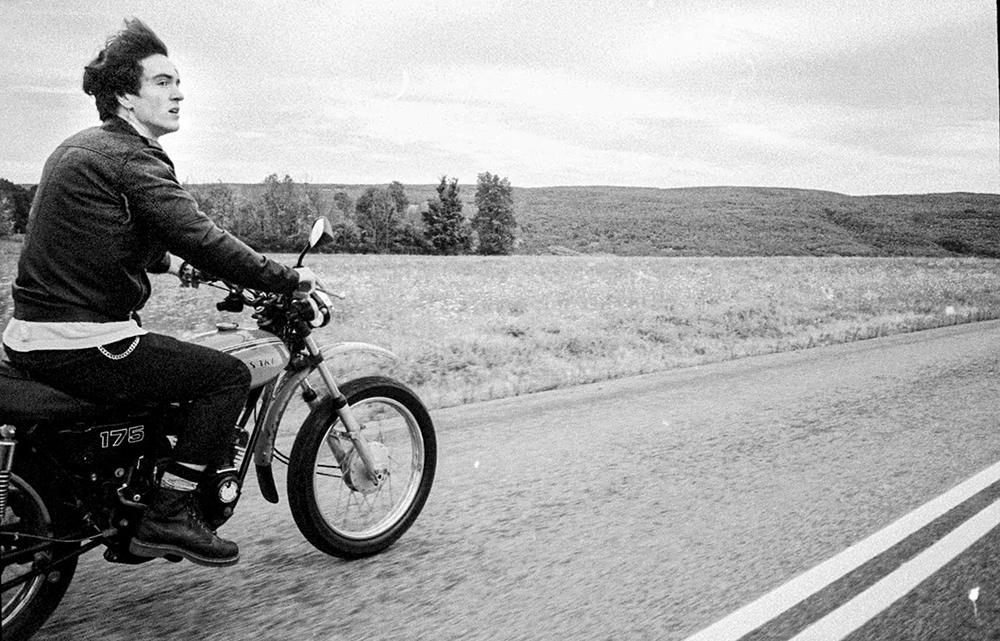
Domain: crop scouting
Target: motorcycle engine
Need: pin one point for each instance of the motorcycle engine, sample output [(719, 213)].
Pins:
[(105, 453)]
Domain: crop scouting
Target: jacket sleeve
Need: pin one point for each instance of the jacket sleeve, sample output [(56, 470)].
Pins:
[(159, 264), (172, 217)]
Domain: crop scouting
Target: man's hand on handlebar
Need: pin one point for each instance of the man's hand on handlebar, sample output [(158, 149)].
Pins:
[(184, 271), (189, 275), (308, 283)]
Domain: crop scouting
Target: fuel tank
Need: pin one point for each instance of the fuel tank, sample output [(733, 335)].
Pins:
[(264, 354)]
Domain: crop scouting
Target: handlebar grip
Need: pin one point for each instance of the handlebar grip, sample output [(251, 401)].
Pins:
[(231, 303)]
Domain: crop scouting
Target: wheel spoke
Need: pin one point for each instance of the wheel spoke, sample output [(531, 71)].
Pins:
[(336, 503), (393, 435), (31, 548)]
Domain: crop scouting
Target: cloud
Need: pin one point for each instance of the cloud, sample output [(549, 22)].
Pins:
[(654, 92)]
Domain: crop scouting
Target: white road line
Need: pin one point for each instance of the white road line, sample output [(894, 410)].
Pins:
[(867, 605), (755, 614)]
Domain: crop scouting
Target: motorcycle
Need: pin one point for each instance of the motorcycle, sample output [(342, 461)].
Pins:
[(76, 476)]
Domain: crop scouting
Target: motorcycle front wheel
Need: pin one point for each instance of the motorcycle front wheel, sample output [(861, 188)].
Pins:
[(27, 531), (335, 503)]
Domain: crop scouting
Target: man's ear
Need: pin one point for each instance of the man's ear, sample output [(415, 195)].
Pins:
[(124, 101)]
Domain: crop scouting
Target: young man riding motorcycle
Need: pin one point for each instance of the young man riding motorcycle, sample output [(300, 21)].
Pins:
[(108, 209)]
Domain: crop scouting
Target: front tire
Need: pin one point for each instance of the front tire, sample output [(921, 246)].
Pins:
[(29, 519), (335, 505)]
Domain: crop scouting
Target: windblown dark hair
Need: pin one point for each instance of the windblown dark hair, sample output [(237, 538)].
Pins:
[(116, 70)]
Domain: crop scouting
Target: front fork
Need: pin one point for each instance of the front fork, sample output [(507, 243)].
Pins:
[(351, 425)]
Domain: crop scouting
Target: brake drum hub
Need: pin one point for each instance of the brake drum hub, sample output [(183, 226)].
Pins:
[(355, 474)]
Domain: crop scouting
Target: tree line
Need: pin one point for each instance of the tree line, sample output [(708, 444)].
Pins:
[(276, 215), (15, 203)]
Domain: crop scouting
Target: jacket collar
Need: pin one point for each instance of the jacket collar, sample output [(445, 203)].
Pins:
[(116, 124)]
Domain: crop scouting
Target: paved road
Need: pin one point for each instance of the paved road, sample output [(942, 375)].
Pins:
[(645, 508)]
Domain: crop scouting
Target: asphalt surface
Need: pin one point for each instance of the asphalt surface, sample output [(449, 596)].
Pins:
[(643, 508)]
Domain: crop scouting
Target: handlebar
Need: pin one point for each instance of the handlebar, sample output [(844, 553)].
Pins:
[(270, 309), (275, 312)]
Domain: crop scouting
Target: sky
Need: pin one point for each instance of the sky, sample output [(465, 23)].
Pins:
[(856, 97)]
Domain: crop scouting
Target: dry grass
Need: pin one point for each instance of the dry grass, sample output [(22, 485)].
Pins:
[(471, 328), (474, 328)]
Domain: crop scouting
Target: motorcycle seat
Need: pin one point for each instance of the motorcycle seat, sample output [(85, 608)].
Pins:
[(24, 401)]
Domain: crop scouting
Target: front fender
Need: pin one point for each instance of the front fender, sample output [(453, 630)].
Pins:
[(341, 349), (287, 386)]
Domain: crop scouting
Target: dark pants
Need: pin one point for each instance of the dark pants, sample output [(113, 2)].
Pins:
[(160, 369)]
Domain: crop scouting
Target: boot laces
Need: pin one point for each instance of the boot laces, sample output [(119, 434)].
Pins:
[(195, 517)]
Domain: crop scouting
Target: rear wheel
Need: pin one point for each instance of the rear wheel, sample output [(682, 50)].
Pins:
[(28, 525), (334, 501)]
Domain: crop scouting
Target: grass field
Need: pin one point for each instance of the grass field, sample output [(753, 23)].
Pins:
[(474, 328)]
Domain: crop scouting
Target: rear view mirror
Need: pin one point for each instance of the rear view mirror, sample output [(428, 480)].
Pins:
[(321, 234)]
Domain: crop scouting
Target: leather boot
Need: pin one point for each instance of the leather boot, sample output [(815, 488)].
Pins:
[(172, 525)]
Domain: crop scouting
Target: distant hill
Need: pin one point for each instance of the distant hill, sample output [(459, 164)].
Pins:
[(751, 221), (739, 221)]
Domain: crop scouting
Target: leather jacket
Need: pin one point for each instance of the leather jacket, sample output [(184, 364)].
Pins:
[(108, 208)]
